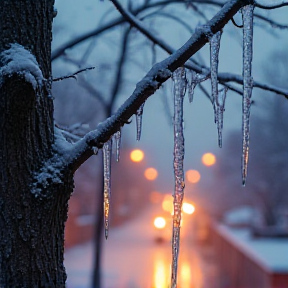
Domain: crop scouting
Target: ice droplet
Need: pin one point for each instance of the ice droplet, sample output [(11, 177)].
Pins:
[(117, 139), (247, 16), (220, 108), (107, 183), (139, 114), (180, 83)]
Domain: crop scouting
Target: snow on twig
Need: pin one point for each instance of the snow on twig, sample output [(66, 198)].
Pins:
[(18, 60)]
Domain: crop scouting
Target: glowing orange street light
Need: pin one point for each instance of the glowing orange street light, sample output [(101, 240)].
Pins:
[(137, 155), (151, 174), (188, 208), (208, 159), (193, 176), (159, 222)]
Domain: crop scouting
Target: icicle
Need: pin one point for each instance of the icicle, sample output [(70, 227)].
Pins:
[(107, 183), (117, 139), (139, 121), (220, 108), (214, 60), (195, 79), (180, 84), (247, 15), (191, 85)]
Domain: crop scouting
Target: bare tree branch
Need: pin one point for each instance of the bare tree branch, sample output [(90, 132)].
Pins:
[(72, 75), (158, 74), (222, 77), (147, 5), (118, 75), (229, 77), (282, 4)]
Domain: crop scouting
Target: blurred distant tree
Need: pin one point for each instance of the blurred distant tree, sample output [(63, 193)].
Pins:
[(38, 160)]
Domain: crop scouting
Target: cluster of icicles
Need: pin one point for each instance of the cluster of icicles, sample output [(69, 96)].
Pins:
[(181, 84)]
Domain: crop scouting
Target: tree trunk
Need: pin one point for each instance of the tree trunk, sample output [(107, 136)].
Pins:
[(32, 212)]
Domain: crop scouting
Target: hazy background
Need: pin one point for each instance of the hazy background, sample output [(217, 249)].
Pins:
[(77, 17)]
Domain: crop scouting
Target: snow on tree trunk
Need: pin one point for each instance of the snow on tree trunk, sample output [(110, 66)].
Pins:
[(247, 15), (32, 228), (179, 79)]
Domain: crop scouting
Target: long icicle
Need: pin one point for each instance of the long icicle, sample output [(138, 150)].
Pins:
[(180, 83), (214, 60), (247, 16), (107, 147)]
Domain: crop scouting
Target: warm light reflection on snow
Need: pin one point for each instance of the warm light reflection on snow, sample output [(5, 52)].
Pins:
[(185, 275), (161, 273)]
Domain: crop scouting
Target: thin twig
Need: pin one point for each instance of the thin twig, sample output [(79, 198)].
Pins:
[(72, 75), (235, 24)]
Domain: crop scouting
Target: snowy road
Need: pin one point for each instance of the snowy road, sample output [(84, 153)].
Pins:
[(132, 259)]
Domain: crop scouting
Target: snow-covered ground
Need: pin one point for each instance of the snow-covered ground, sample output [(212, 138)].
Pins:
[(132, 259)]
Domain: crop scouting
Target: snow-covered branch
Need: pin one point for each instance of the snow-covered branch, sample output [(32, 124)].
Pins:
[(18, 60), (158, 74)]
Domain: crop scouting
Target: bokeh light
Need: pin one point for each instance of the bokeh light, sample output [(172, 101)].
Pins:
[(193, 176), (137, 155), (188, 208), (167, 203), (159, 222), (155, 197), (151, 174), (208, 159)]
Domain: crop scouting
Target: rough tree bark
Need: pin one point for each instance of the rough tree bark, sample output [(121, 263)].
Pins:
[(32, 228)]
